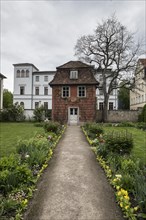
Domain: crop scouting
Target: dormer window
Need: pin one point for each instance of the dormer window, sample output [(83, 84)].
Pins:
[(73, 74)]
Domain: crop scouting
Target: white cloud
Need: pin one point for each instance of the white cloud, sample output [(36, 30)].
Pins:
[(45, 32)]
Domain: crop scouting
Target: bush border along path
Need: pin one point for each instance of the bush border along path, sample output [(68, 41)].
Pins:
[(14, 202), (122, 195)]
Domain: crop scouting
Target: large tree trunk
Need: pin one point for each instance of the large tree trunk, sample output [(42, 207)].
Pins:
[(105, 109)]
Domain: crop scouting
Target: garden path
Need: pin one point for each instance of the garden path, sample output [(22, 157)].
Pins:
[(73, 187)]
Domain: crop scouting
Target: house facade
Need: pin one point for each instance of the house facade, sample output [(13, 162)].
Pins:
[(2, 77), (31, 88), (138, 94), (113, 97), (74, 93)]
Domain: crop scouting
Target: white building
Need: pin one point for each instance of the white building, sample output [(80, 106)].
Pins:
[(138, 94), (31, 87), (1, 90), (113, 98)]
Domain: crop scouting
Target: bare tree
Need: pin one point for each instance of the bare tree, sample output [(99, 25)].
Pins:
[(112, 47)]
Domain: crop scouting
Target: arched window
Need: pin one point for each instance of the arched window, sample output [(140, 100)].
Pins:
[(18, 74), (22, 104), (27, 73), (22, 73)]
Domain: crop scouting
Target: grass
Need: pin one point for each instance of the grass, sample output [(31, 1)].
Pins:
[(10, 133), (139, 137)]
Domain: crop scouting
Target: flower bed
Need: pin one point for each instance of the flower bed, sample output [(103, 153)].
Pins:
[(126, 174), (20, 172)]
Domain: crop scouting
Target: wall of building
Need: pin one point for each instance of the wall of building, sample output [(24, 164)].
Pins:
[(119, 116), (87, 105)]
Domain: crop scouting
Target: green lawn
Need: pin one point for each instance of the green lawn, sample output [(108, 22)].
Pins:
[(10, 133), (139, 138)]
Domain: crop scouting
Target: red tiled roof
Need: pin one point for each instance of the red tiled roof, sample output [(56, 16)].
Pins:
[(73, 64), (85, 74)]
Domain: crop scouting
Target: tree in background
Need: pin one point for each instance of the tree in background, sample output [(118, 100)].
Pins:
[(113, 47), (124, 98), (7, 98)]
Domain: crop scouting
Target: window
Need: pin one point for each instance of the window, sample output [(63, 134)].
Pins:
[(81, 91), (65, 91), (27, 73), (37, 78), (18, 74), (101, 106), (22, 104), (21, 90), (22, 73), (36, 104), (73, 74), (45, 105), (46, 78), (110, 105), (100, 91), (45, 90), (36, 90)]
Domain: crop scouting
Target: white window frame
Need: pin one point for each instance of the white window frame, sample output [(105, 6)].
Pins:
[(111, 104), (37, 89), (45, 90), (45, 78), (22, 88), (101, 106), (37, 78), (36, 105), (81, 89), (65, 90), (74, 74)]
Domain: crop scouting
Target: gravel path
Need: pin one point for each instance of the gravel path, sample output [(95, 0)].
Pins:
[(73, 187)]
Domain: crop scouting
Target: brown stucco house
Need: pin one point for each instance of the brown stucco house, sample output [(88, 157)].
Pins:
[(74, 93)]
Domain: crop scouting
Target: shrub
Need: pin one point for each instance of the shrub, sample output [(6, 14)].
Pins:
[(39, 114), (142, 116), (93, 130), (121, 143), (51, 126), (14, 113), (8, 208)]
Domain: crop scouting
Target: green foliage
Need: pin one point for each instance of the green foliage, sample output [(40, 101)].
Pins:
[(142, 116), (19, 173), (39, 114), (14, 113), (93, 130), (124, 98), (127, 173), (7, 98), (121, 143), (8, 208), (51, 126)]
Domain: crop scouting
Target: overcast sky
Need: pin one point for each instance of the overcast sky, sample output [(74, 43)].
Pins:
[(45, 32)]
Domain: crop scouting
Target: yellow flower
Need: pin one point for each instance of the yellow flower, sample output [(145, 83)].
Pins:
[(119, 193), (126, 207), (117, 187), (136, 208), (121, 204), (126, 197)]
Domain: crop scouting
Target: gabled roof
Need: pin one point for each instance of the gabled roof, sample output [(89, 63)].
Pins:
[(2, 76), (73, 64), (26, 64), (143, 61), (85, 74)]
